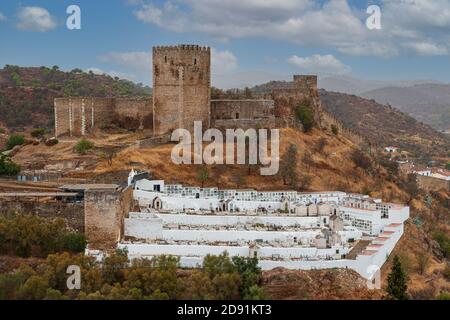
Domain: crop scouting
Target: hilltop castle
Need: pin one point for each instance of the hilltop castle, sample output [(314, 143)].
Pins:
[(182, 95)]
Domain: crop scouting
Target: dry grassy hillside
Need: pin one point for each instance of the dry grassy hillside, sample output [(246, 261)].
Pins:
[(329, 169), (384, 125)]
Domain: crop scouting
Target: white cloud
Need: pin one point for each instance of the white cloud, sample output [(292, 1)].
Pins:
[(112, 73), (169, 16), (320, 64), (140, 61), (427, 48), (332, 23), (2, 17), (222, 62), (35, 19)]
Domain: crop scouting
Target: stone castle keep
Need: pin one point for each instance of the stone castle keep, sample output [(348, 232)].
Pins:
[(182, 95)]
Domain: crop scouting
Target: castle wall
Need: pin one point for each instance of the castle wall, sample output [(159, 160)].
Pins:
[(181, 87), (103, 115), (76, 116), (104, 213), (80, 116), (136, 112), (302, 91), (72, 212), (244, 114)]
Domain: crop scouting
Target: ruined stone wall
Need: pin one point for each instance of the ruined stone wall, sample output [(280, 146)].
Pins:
[(72, 212), (432, 183), (79, 116), (181, 87), (242, 109), (104, 212), (328, 120), (103, 112), (302, 91), (134, 113), (244, 114)]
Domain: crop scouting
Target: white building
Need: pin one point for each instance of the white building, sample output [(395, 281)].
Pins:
[(281, 228)]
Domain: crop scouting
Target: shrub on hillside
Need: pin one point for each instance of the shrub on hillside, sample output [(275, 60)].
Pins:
[(444, 242), (38, 132), (8, 167), (73, 242), (306, 116), (84, 146), (30, 235), (115, 278), (15, 140), (51, 142), (334, 129)]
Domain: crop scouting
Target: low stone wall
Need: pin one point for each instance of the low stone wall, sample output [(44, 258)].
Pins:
[(72, 212)]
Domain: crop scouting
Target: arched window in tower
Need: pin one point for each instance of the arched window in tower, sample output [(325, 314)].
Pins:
[(195, 61), (165, 59), (237, 115)]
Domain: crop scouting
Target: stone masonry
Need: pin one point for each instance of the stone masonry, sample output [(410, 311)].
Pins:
[(181, 87), (104, 213), (80, 116), (182, 95)]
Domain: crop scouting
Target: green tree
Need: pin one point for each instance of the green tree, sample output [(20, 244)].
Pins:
[(9, 284), (334, 129), (35, 288), (38, 133), (83, 146), (8, 167), (397, 286), (255, 293), (249, 272), (215, 265), (15, 140), (288, 166), (74, 242), (113, 267), (306, 116), (444, 242), (447, 165), (203, 175)]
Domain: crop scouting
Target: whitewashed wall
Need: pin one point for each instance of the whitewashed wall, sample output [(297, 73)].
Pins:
[(229, 220), (233, 235)]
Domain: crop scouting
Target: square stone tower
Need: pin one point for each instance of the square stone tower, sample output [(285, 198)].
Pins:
[(181, 87)]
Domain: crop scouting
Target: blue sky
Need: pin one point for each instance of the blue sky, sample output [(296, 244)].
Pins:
[(252, 40)]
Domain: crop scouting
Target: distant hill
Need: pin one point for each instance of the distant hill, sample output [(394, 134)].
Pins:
[(380, 124), (26, 94), (352, 85), (384, 125), (429, 103)]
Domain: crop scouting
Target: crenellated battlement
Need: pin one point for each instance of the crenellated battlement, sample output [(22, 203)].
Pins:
[(306, 81), (181, 87), (181, 47)]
